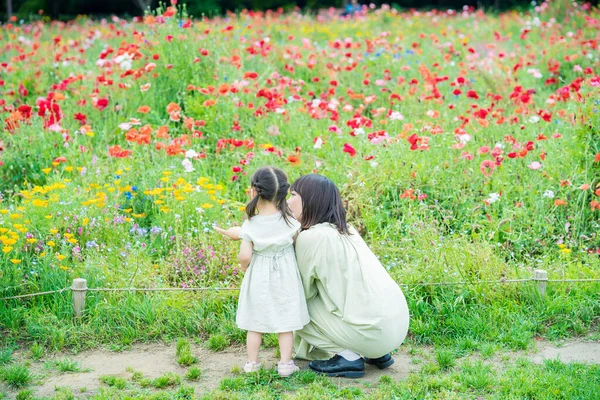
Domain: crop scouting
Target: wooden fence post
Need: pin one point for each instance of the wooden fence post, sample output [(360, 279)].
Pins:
[(541, 278), (79, 289)]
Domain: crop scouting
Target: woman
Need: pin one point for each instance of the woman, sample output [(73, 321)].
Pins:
[(356, 309)]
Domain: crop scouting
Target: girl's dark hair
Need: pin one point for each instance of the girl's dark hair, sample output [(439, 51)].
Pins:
[(270, 184), (321, 202)]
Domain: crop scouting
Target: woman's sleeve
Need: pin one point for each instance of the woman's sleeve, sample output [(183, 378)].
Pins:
[(305, 256)]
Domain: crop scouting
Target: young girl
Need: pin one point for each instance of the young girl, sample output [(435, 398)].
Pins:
[(271, 297)]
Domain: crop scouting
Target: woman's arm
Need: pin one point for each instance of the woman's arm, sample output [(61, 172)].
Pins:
[(245, 255), (305, 256)]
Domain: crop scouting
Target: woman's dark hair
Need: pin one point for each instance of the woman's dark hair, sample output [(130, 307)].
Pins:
[(270, 184), (321, 202)]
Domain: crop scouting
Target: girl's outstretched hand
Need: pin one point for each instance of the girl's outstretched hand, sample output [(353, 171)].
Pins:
[(232, 233)]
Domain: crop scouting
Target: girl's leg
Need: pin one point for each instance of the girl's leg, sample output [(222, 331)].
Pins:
[(253, 341), (286, 344)]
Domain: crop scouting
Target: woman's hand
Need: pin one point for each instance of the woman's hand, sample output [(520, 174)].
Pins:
[(232, 233)]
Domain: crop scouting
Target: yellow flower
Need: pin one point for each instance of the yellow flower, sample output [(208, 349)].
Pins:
[(69, 169), (15, 261), (206, 205), (89, 133), (47, 170), (127, 219), (9, 242), (72, 240), (15, 216), (139, 215), (167, 173), (565, 250), (118, 172), (31, 240), (43, 254), (117, 181), (85, 221), (54, 231), (67, 180), (60, 257), (6, 249), (40, 203), (165, 209), (51, 243), (68, 235), (110, 190), (127, 210), (48, 216), (63, 267)]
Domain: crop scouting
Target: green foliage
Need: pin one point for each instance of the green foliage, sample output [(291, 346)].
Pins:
[(114, 381), (168, 379), (184, 353), (37, 351), (65, 365), (24, 395), (217, 342), (193, 374), (5, 356), (16, 376)]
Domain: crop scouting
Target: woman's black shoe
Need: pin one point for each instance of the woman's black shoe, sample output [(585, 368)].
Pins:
[(382, 362), (339, 366)]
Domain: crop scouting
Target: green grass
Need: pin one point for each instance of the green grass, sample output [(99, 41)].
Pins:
[(470, 380), (217, 342), (5, 356), (445, 359), (168, 379), (184, 353), (65, 365), (25, 394), (193, 374), (16, 376), (113, 381), (37, 351)]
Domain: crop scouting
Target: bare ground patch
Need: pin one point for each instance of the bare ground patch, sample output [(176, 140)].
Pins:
[(154, 360)]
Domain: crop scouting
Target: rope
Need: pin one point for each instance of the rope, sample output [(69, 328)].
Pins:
[(34, 294), (467, 283), (227, 289), (153, 289)]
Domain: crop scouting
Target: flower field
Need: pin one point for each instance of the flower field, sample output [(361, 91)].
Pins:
[(466, 144)]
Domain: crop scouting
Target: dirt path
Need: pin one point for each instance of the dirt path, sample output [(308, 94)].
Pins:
[(153, 360)]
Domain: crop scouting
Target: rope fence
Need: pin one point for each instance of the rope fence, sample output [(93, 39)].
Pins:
[(79, 288)]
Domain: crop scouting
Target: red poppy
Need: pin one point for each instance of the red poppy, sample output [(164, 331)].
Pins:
[(117, 152), (349, 149)]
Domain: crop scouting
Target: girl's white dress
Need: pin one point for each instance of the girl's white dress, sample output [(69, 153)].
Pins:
[(272, 296)]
